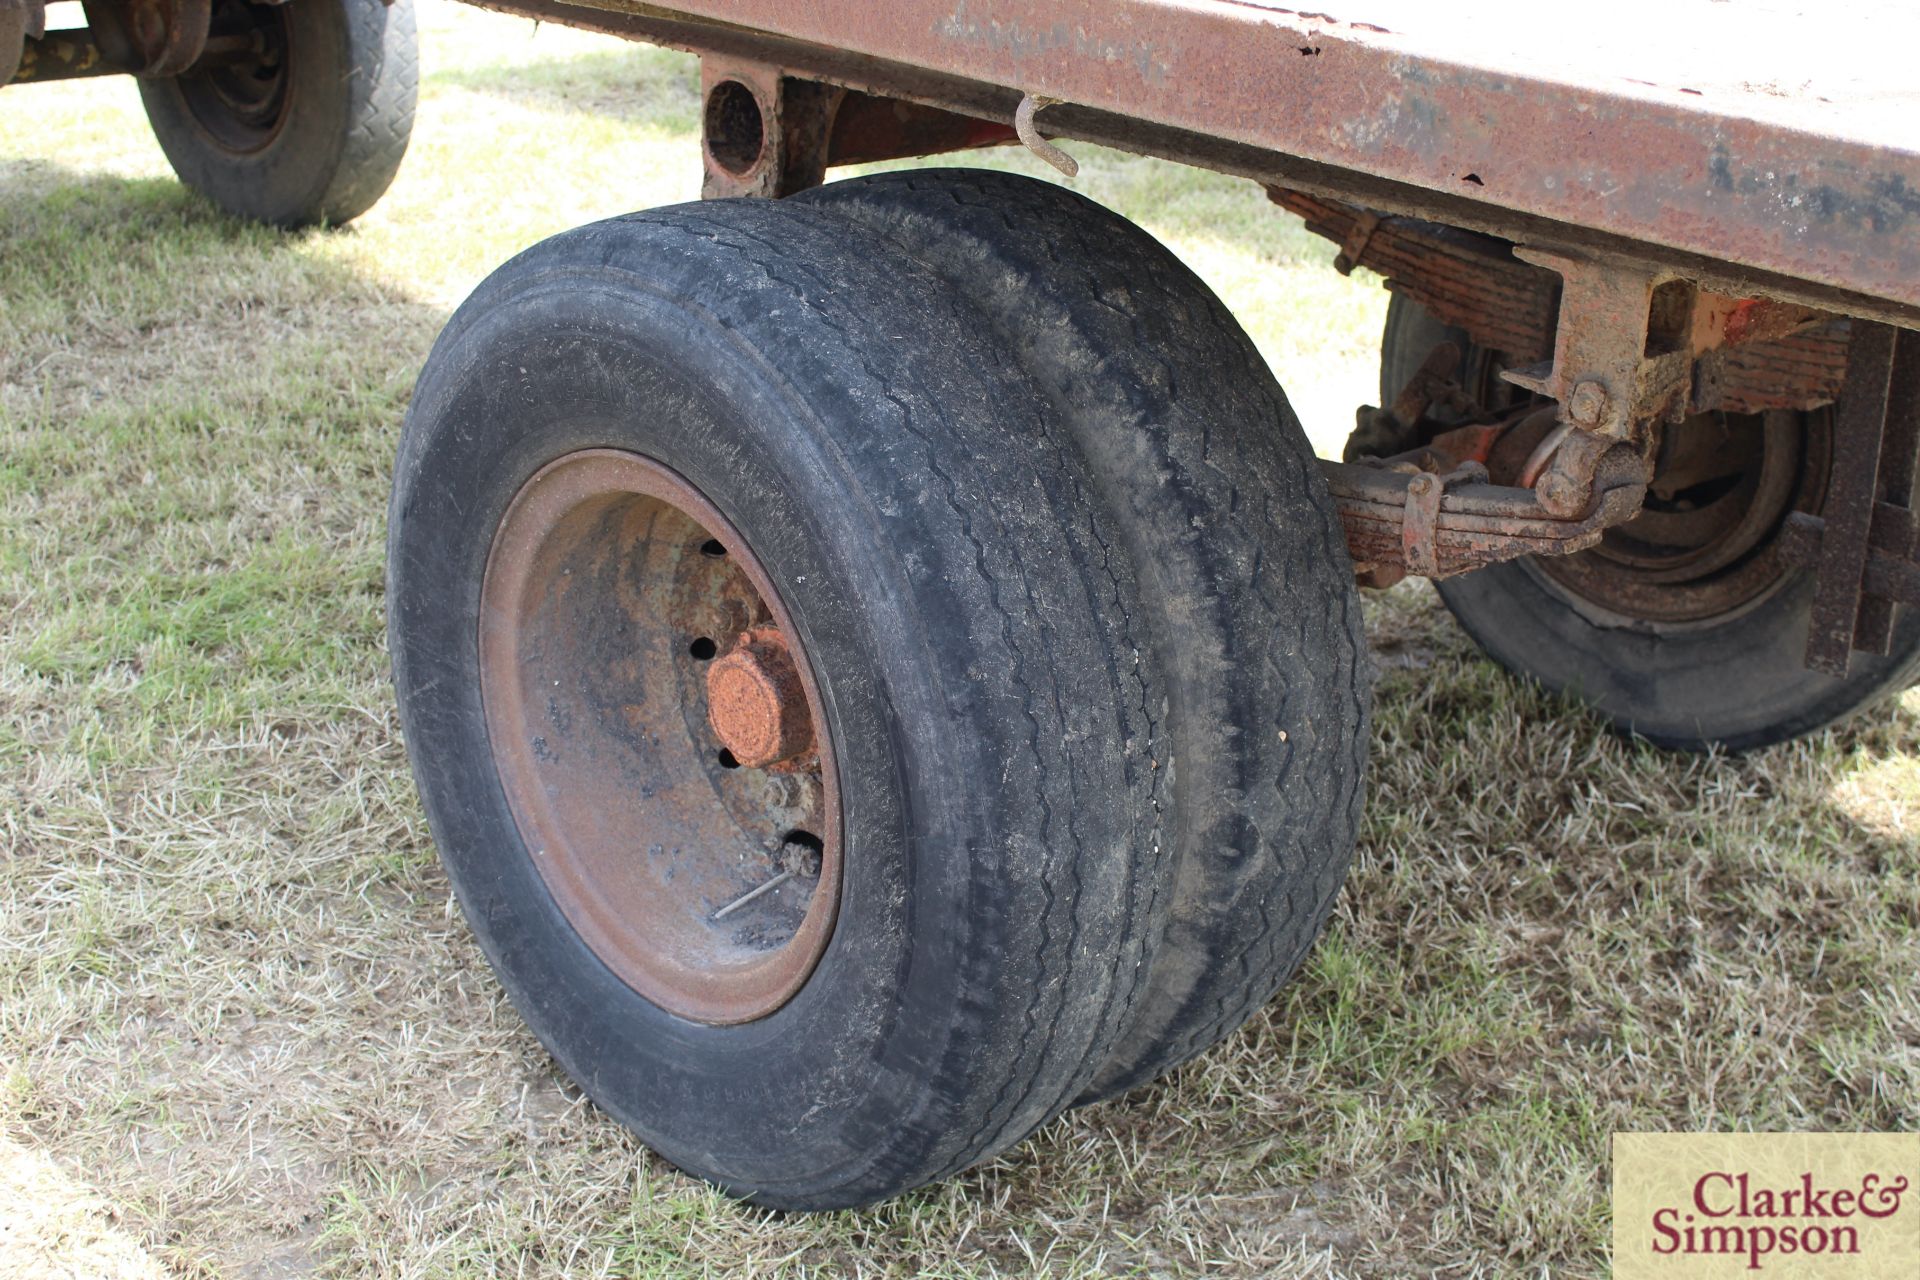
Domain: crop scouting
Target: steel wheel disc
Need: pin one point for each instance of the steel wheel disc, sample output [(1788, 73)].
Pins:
[(240, 106), (659, 737)]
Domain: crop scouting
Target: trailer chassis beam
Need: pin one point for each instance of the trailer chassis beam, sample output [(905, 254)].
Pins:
[(1864, 547)]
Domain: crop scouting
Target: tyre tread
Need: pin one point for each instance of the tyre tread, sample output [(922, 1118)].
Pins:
[(1176, 332)]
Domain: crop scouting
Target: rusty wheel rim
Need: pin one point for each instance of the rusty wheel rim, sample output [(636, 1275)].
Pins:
[(241, 105), (659, 736), (1704, 549)]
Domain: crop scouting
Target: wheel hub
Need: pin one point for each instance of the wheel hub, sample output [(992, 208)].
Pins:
[(756, 701), (241, 100), (1703, 546)]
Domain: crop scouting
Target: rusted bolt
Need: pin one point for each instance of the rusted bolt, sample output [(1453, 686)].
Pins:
[(1420, 485), (1559, 494), (1587, 403), (756, 702)]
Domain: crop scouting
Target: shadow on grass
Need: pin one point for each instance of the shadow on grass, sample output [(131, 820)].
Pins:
[(46, 204), (65, 233), (199, 413)]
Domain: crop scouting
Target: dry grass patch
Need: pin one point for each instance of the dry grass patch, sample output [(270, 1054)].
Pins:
[(243, 1031)]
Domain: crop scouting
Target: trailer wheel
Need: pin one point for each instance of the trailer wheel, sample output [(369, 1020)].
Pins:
[(1683, 626), (309, 127), (750, 631), (1251, 612)]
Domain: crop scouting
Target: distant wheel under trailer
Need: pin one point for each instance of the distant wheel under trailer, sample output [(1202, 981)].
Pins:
[(1688, 624), (293, 114)]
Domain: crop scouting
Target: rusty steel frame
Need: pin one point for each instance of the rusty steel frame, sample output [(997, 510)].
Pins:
[(61, 55), (1863, 546), (1654, 255), (806, 126), (1744, 205), (1765, 356)]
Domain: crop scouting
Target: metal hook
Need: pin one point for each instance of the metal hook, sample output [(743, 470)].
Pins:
[(1030, 106)]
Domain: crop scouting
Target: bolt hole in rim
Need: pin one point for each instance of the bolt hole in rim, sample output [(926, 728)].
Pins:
[(657, 843), (735, 130)]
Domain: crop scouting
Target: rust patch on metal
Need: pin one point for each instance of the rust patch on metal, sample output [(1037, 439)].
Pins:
[(150, 37), (1777, 207), (769, 133), (868, 129), (1803, 371), (763, 133), (1469, 523), (1786, 196), (1753, 354), (1845, 541), (58, 55)]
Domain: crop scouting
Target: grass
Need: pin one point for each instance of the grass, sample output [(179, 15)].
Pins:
[(244, 1033)]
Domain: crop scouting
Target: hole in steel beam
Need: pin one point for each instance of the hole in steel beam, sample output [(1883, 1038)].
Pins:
[(736, 134)]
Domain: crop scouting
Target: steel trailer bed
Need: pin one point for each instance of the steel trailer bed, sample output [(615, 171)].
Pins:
[(1709, 137)]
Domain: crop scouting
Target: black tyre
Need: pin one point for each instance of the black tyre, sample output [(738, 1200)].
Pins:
[(613, 414), (1250, 609), (1683, 627), (312, 128)]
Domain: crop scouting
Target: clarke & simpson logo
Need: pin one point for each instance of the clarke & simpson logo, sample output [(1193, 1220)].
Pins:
[(1734, 1218), (1785, 1205)]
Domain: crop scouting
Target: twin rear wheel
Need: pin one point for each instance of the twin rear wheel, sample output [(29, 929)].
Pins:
[(877, 672)]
